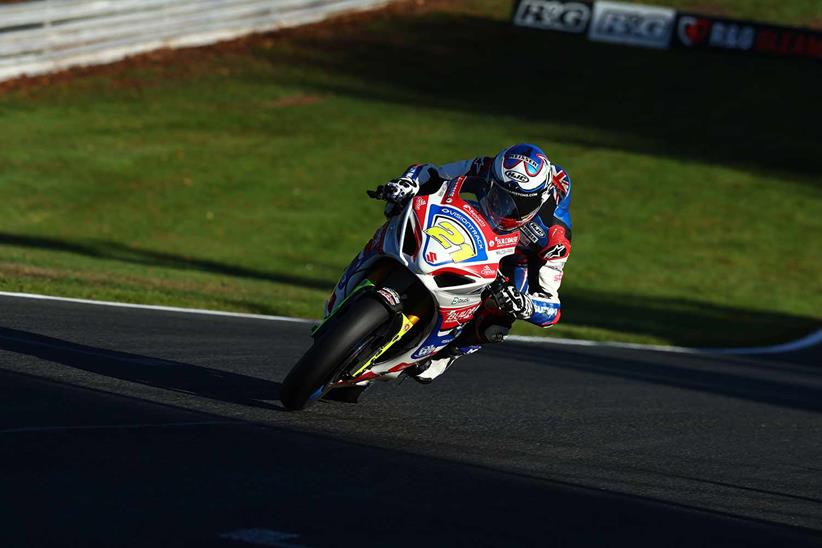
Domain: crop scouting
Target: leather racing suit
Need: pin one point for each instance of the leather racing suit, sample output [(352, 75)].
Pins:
[(536, 266)]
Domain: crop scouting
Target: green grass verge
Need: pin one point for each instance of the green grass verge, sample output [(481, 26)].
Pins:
[(234, 178)]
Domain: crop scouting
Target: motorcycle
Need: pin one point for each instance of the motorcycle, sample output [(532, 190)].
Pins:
[(407, 295)]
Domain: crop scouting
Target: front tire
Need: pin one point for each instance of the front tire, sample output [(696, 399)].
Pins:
[(334, 352)]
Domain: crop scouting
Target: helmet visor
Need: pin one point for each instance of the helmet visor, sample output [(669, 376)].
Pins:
[(507, 210)]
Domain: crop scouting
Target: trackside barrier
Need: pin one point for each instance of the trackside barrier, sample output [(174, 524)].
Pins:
[(47, 35), (663, 28)]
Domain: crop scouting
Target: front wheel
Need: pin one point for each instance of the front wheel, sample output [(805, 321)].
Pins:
[(332, 355)]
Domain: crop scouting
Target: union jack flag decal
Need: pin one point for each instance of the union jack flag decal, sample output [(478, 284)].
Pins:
[(560, 183)]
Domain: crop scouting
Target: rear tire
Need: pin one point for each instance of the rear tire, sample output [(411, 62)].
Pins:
[(334, 352)]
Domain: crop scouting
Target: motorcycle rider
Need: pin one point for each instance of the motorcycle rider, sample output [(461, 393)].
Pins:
[(519, 189)]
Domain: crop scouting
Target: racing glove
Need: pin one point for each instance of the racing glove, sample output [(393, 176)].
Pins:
[(509, 300), (400, 190), (396, 192)]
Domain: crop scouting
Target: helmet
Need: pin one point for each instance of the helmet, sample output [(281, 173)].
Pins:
[(518, 186)]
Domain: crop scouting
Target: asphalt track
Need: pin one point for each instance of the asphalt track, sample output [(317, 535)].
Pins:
[(130, 427)]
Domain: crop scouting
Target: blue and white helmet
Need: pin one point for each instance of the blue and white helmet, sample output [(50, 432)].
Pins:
[(519, 186)]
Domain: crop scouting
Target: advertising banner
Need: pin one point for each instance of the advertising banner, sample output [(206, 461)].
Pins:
[(658, 27), (632, 24), (703, 32), (573, 17), (696, 31)]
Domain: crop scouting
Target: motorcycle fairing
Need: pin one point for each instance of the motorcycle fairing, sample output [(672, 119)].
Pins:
[(407, 239)]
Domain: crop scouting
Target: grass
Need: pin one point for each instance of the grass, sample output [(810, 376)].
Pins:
[(234, 177)]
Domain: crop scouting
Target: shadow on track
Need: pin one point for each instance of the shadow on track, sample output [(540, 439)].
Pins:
[(187, 486), (170, 375), (698, 323), (725, 382)]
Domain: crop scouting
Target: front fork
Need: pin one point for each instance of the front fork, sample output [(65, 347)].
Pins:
[(380, 279)]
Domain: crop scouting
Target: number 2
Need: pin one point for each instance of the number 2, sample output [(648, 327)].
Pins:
[(448, 236)]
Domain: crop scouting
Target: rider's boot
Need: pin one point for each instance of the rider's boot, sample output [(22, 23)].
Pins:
[(485, 328), (427, 371)]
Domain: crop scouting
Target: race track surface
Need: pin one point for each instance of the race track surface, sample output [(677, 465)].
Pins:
[(130, 427)]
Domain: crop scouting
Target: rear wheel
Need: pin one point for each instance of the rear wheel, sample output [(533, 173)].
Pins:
[(341, 346)]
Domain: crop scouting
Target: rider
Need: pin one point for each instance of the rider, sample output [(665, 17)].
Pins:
[(519, 189)]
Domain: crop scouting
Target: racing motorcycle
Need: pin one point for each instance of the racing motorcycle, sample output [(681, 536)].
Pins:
[(407, 295)]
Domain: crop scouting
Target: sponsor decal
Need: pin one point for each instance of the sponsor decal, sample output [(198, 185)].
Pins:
[(519, 177), (546, 308), (555, 251), (632, 24), (452, 317), (425, 351), (474, 215), (454, 188), (699, 32), (553, 15), (558, 245), (732, 36), (419, 202), (481, 167), (789, 42), (530, 162), (702, 32), (487, 271), (412, 172), (693, 31), (390, 296), (506, 241), (526, 231), (431, 257), (532, 231), (459, 300), (438, 338)]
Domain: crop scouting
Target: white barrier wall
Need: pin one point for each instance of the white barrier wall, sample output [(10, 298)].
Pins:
[(46, 35)]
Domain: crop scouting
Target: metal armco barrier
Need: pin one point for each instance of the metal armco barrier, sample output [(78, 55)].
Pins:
[(47, 35), (663, 28)]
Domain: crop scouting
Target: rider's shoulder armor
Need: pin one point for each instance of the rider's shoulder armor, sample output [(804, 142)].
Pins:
[(481, 167)]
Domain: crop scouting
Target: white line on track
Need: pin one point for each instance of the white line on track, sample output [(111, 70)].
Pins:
[(114, 426), (808, 341), (263, 537), (155, 307)]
